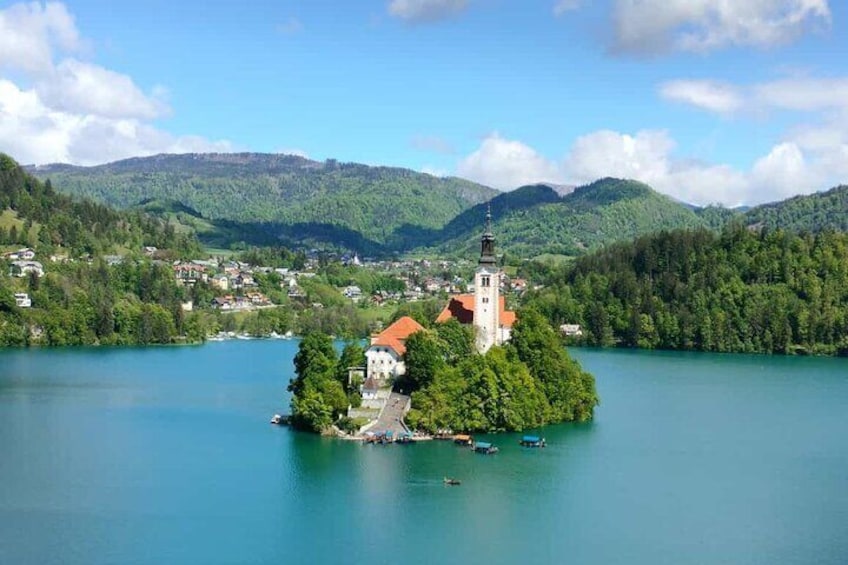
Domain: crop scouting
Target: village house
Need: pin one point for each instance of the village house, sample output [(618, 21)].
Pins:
[(221, 282), (24, 268), (22, 300), (353, 292), (571, 330), (190, 273), (25, 254), (384, 357)]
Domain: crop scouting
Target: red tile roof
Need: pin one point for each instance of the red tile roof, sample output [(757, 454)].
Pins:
[(461, 307), (395, 335)]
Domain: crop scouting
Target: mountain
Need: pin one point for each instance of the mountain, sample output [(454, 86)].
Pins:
[(811, 212), (534, 220), (291, 197)]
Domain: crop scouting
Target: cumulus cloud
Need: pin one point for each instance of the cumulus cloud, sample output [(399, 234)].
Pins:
[(30, 32), (506, 164), (33, 132), (657, 26), (63, 109), (424, 11), (649, 156), (90, 89)]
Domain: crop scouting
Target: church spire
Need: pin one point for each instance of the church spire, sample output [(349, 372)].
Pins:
[(487, 242)]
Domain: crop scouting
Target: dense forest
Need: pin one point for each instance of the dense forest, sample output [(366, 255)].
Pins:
[(322, 201), (739, 290)]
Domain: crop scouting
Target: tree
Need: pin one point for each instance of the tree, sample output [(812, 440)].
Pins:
[(423, 358)]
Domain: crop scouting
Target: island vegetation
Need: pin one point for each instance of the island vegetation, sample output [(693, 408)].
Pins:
[(529, 382)]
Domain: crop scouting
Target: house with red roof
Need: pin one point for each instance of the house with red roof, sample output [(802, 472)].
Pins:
[(384, 357)]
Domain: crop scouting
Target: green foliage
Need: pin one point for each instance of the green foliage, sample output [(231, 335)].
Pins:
[(742, 290), (341, 203), (530, 382), (423, 358), (320, 391)]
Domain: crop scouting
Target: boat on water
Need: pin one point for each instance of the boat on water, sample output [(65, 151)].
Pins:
[(485, 448), (278, 419), (405, 438), (452, 482), (532, 441), (462, 439)]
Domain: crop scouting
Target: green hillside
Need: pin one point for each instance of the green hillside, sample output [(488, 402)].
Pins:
[(591, 216), (736, 290), (284, 195), (812, 212)]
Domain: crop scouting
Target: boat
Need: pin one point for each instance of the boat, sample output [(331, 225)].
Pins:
[(404, 438), (452, 482), (485, 448), (278, 419), (463, 439), (532, 441)]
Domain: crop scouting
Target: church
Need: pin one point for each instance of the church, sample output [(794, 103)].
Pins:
[(486, 308)]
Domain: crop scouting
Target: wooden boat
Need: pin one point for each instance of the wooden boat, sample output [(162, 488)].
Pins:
[(532, 441), (462, 439), (452, 482), (485, 448)]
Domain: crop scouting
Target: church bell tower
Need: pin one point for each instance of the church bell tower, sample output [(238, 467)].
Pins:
[(486, 293)]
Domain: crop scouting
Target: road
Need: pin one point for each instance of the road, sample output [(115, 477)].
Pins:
[(392, 415)]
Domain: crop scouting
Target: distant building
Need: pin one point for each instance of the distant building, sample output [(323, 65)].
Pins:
[(571, 330), (385, 355), (24, 268), (22, 300)]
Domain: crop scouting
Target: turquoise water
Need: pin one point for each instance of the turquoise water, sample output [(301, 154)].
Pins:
[(164, 455)]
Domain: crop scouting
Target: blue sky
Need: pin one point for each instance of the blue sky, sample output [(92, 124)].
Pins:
[(706, 100)]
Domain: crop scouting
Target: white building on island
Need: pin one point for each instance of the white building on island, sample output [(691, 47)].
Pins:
[(384, 358)]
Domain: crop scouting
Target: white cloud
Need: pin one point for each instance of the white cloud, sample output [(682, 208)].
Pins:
[(648, 156), (75, 86), (709, 95), (563, 6), (71, 110), (422, 11), (30, 32), (609, 153), (506, 164), (33, 132), (656, 26)]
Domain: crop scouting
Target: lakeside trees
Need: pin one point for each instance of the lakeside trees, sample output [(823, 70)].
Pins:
[(741, 290), (320, 389)]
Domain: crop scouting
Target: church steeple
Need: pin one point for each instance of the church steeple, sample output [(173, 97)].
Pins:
[(487, 242)]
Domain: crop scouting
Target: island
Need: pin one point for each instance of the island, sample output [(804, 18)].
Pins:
[(477, 367)]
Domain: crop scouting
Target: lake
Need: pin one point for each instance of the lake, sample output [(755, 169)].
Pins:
[(165, 455)]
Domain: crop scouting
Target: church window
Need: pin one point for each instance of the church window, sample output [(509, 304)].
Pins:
[(485, 300), (485, 281)]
